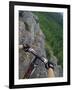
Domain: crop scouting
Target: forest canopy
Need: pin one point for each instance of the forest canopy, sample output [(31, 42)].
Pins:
[(51, 25)]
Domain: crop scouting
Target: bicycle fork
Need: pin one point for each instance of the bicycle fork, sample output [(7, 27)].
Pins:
[(31, 69)]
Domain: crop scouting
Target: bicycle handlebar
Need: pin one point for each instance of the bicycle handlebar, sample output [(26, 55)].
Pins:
[(27, 48)]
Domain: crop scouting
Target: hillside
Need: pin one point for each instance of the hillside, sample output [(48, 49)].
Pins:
[(52, 26)]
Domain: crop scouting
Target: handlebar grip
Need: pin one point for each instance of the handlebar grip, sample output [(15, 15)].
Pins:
[(25, 47)]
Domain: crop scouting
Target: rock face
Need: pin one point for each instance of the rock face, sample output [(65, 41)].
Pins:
[(30, 33)]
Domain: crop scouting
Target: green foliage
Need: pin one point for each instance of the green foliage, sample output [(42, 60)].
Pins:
[(52, 26)]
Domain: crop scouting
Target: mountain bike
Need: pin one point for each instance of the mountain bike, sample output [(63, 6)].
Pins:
[(48, 65)]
